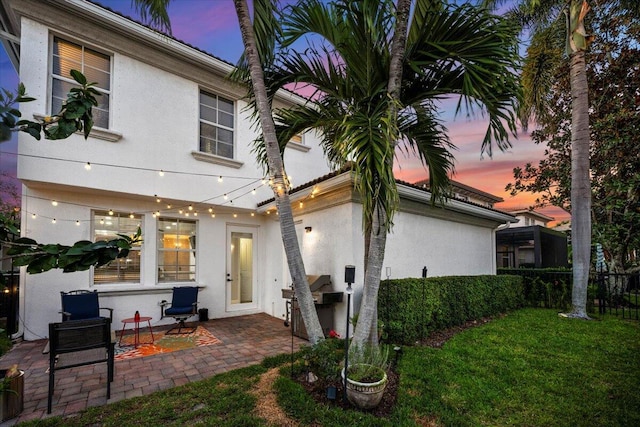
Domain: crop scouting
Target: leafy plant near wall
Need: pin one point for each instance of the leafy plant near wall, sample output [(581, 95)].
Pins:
[(74, 116), (412, 308)]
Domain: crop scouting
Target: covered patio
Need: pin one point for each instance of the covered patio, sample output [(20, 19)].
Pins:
[(245, 340)]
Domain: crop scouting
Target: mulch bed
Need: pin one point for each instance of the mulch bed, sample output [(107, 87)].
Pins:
[(435, 340)]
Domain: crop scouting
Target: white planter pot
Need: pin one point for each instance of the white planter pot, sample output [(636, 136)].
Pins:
[(365, 395)]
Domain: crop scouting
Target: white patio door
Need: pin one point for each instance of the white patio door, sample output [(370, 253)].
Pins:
[(241, 267)]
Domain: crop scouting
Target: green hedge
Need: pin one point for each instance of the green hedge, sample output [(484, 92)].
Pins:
[(413, 308)]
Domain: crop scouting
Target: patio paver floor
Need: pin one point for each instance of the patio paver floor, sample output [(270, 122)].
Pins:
[(246, 340)]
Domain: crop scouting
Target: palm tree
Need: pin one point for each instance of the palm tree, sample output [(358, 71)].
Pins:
[(461, 51), (550, 31), (257, 51)]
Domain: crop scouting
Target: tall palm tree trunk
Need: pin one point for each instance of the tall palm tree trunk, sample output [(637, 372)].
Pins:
[(580, 185), (280, 181), (367, 327)]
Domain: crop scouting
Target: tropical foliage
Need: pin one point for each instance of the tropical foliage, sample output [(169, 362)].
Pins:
[(74, 116), (612, 69)]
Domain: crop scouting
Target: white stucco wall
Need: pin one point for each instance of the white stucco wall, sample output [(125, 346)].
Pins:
[(156, 113)]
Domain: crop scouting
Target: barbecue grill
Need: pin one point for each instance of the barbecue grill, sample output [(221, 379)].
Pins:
[(325, 299)]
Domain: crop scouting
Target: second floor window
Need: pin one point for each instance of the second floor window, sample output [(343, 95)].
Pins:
[(216, 125), (96, 67), (107, 226)]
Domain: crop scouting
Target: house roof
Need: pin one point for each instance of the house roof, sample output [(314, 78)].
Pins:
[(10, 34), (406, 190), (465, 190), (531, 213)]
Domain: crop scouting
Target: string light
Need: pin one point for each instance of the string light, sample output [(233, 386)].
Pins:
[(190, 207), (161, 173), (220, 178), (253, 192), (101, 221), (158, 199), (210, 210), (180, 211), (225, 196), (131, 215), (54, 203), (235, 215), (110, 212), (168, 206), (77, 222), (33, 216), (53, 221), (213, 215), (88, 166)]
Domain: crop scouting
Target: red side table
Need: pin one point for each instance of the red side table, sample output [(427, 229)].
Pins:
[(136, 329)]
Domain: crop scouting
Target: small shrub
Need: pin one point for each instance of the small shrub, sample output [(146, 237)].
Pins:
[(323, 359)]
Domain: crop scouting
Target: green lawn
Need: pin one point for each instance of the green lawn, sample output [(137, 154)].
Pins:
[(530, 368)]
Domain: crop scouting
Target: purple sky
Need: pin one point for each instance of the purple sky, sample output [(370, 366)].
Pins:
[(212, 26)]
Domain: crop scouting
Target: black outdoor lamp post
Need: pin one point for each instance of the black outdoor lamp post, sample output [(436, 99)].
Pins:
[(349, 278), (424, 272)]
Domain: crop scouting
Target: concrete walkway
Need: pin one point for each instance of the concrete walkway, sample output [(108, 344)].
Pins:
[(246, 340)]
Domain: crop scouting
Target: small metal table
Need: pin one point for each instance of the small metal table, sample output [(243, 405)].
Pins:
[(136, 329)]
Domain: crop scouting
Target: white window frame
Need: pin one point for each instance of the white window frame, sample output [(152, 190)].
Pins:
[(216, 124), (160, 250), (68, 79), (136, 250)]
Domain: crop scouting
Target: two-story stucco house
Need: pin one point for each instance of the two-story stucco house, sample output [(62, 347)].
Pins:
[(171, 153)]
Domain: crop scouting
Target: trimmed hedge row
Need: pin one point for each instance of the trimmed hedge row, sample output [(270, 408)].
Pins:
[(411, 309)]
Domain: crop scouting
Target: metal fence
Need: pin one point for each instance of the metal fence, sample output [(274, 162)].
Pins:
[(613, 293), (619, 294)]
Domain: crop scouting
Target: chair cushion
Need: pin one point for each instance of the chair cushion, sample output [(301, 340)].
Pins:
[(172, 311), (184, 297), (81, 306)]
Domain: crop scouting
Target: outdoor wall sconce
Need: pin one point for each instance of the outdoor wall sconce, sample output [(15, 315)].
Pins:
[(308, 229)]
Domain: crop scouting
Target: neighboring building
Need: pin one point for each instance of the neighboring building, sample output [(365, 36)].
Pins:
[(527, 217), (529, 243), (460, 191), (171, 153)]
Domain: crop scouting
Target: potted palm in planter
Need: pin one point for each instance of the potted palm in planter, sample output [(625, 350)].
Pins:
[(11, 392), (366, 376)]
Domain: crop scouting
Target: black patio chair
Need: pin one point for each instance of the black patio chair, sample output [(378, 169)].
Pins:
[(78, 343), (81, 305), (184, 304)]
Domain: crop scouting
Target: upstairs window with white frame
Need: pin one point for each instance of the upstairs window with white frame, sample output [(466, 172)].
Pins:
[(107, 226), (96, 67), (217, 121), (176, 250)]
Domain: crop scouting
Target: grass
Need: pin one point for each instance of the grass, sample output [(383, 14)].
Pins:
[(529, 368)]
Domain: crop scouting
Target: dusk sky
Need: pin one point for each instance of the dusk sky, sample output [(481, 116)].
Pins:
[(212, 26)]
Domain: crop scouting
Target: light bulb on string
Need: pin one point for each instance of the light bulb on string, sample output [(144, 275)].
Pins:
[(53, 221), (54, 203), (77, 222), (110, 212), (33, 216), (190, 207), (225, 196), (220, 178), (161, 173), (253, 191), (87, 166)]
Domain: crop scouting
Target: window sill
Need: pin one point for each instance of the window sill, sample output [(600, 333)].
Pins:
[(299, 147), (218, 160), (136, 289), (96, 132)]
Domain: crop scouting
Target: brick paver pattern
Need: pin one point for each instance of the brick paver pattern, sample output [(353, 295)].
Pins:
[(246, 340)]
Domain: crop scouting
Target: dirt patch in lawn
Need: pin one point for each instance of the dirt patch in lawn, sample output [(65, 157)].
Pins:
[(267, 406)]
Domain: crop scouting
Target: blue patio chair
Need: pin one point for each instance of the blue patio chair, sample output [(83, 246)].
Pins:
[(184, 304), (81, 305)]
